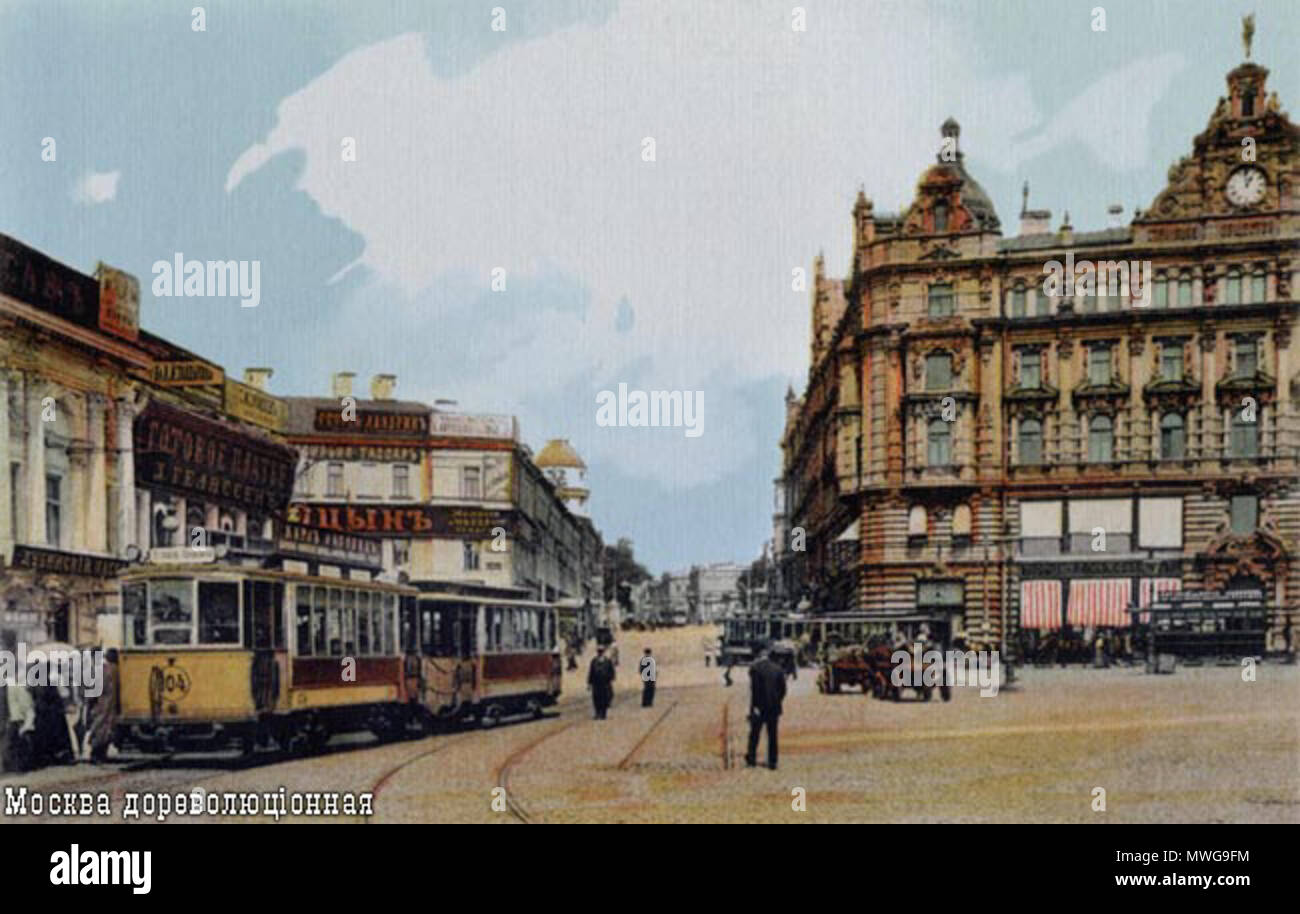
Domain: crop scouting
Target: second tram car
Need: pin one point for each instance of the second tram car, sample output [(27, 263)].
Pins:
[(486, 658)]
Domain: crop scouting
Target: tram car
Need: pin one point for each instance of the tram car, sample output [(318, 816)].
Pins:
[(486, 658), (213, 655)]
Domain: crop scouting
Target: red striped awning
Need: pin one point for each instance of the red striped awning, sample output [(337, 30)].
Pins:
[(1151, 589), (1040, 604), (1100, 601)]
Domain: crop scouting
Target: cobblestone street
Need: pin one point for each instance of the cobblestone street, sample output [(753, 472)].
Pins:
[(1197, 746)]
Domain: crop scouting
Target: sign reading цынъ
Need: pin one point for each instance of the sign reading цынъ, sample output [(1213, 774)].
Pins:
[(443, 521)]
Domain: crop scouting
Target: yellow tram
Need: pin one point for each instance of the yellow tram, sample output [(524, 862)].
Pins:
[(213, 654)]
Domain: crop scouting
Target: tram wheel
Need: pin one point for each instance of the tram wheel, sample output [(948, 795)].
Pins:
[(491, 716)]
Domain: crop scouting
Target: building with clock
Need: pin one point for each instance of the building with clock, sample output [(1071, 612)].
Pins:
[(1027, 457)]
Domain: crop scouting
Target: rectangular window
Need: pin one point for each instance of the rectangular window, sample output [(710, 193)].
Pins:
[(219, 612), (1031, 369), (1247, 358), (1245, 513), (303, 617), (1043, 304), (1018, 302), (320, 608), (15, 486), (401, 552), (470, 480), (1185, 292), (363, 622), (171, 611), (134, 619), (334, 634), (1232, 289), (349, 623), (1160, 523), (53, 508), (470, 556), (334, 480), (938, 372), (1099, 365), (1245, 437), (401, 480), (1160, 293), (390, 624), (1171, 361), (941, 299), (1258, 288)]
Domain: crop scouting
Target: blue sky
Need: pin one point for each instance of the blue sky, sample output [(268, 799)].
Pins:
[(522, 150)]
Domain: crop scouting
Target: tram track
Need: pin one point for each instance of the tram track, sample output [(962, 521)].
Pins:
[(627, 759)]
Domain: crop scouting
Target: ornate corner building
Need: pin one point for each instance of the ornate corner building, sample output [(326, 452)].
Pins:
[(977, 440)]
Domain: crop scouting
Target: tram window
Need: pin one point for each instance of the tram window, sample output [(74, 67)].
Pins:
[(218, 612), (171, 611), (410, 636), (257, 623), (363, 623), (390, 610), (334, 632), (377, 623), (133, 614), (303, 597), (493, 630), (277, 616), (349, 623), (318, 604)]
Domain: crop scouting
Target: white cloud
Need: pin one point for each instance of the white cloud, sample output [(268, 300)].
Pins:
[(96, 187), (532, 162)]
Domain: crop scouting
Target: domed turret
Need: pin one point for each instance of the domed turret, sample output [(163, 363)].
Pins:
[(566, 470)]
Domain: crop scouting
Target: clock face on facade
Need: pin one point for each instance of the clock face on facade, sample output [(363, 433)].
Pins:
[(1246, 187)]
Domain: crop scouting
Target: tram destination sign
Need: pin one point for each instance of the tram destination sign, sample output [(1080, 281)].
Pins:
[(433, 521), (1202, 596)]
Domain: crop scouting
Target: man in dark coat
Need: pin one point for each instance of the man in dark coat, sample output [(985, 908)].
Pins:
[(648, 674), (766, 691), (600, 680)]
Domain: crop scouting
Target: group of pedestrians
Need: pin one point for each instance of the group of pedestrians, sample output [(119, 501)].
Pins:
[(54, 724), (766, 695)]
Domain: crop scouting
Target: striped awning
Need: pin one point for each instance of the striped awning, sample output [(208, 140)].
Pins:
[(1040, 604), (1099, 601), (1152, 589)]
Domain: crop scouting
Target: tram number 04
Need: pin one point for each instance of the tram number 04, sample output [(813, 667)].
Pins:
[(176, 683)]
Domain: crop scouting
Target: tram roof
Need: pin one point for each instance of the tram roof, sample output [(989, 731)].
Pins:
[(216, 569)]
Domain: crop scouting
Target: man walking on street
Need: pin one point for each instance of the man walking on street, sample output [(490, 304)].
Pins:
[(766, 691), (647, 680), (600, 680)]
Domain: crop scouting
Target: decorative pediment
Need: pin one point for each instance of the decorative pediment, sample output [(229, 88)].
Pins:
[(940, 252)]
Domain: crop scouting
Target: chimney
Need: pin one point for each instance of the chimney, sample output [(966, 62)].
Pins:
[(1115, 216), (257, 377), (342, 383), (381, 386)]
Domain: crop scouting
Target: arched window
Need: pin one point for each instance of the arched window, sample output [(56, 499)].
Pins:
[(939, 437), (961, 522), (938, 371), (1185, 290), (918, 522), (1031, 441), (1101, 440), (1258, 287), (1173, 437), (1018, 300)]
